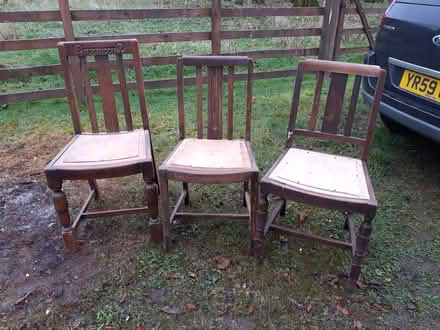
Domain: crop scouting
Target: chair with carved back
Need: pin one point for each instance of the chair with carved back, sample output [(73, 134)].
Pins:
[(111, 152), (211, 158), (325, 179)]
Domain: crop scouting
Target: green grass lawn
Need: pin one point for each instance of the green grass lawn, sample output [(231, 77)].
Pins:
[(300, 283)]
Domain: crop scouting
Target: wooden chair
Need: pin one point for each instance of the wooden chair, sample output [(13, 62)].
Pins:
[(109, 154), (211, 160), (321, 179)]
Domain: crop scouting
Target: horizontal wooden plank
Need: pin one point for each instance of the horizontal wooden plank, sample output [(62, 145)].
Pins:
[(278, 53), (343, 51), (29, 16), (26, 72), (11, 45), (123, 14), (45, 70), (368, 11), (32, 96), (352, 31), (8, 45), (156, 37), (254, 12), (149, 84), (271, 33)]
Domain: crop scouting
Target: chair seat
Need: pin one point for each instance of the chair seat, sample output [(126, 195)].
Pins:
[(323, 174), (104, 150), (211, 155)]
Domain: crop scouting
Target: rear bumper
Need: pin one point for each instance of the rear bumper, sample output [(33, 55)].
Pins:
[(413, 123)]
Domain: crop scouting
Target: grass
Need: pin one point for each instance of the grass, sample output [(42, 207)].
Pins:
[(401, 276), (402, 270)]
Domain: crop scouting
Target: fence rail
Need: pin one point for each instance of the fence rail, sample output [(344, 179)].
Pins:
[(330, 33)]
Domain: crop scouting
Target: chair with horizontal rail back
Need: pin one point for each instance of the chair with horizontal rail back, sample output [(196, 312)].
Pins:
[(109, 153), (211, 158), (325, 180)]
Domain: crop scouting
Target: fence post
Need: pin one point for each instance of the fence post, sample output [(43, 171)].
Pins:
[(329, 29), (216, 22), (339, 30), (70, 36)]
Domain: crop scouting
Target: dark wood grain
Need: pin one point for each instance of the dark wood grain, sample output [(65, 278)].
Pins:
[(335, 102), (115, 163)]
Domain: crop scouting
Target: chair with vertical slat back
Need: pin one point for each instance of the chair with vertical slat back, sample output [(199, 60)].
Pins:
[(108, 153), (211, 159), (321, 179)]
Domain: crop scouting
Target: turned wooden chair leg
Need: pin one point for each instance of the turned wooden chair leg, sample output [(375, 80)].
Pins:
[(283, 208), (71, 243), (186, 189), (261, 218), (164, 211), (94, 186), (362, 240), (245, 190), (253, 214), (151, 193)]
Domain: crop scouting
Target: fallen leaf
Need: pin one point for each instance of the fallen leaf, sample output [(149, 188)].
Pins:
[(171, 310), (223, 262), (190, 306), (360, 284), (343, 310), (309, 308), (357, 325), (251, 309), (302, 217), (411, 306)]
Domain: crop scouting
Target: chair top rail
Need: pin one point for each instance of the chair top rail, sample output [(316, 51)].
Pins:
[(342, 67), (215, 60)]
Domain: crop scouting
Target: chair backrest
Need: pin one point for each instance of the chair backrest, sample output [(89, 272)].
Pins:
[(108, 56), (331, 118), (215, 79)]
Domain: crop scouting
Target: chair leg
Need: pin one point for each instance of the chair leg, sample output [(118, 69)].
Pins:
[(261, 218), (71, 243), (164, 216), (362, 240), (283, 208), (94, 186), (186, 188), (245, 190), (253, 214), (151, 193)]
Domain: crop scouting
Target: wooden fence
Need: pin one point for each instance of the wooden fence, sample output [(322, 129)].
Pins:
[(330, 33)]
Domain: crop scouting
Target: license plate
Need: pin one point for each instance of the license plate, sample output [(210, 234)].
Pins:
[(420, 84)]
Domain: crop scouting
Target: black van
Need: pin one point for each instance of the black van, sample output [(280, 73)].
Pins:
[(408, 47)]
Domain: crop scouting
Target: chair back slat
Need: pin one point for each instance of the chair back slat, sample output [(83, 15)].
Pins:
[(124, 92), (249, 99), (352, 109), (335, 102), (104, 75), (109, 55), (331, 118), (70, 91), (89, 93), (180, 100), (215, 103), (215, 79), (199, 86), (316, 101), (140, 87), (230, 101)]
